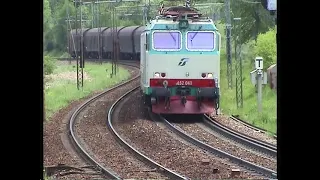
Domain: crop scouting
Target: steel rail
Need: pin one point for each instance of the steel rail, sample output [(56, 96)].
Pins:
[(74, 140), (267, 172), (245, 139), (169, 172)]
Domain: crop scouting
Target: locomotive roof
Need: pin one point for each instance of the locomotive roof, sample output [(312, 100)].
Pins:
[(171, 16), (206, 24)]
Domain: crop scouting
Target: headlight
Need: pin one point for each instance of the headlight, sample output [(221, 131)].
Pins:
[(156, 74), (210, 75)]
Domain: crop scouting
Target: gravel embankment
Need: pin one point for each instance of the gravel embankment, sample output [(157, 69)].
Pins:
[(222, 144), (161, 145), (227, 121), (56, 146), (101, 143)]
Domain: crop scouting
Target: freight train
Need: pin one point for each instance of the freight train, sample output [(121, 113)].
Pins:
[(179, 53), (127, 36)]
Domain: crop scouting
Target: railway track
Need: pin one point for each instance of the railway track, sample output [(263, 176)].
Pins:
[(100, 167), (246, 164), (251, 126), (113, 116), (227, 132), (254, 143), (75, 140)]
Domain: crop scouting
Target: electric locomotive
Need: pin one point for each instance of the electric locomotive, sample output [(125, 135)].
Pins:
[(180, 62)]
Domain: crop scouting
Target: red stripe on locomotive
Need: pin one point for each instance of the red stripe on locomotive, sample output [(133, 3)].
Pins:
[(158, 82)]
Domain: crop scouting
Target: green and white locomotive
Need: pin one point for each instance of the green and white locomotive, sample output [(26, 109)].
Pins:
[(180, 62)]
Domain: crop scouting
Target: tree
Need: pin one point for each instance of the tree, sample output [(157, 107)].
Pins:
[(48, 65), (266, 47), (47, 22), (254, 19)]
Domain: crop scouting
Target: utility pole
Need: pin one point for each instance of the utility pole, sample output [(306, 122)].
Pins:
[(188, 3), (148, 14), (115, 39), (79, 63), (238, 59), (99, 33), (228, 43), (95, 11), (146, 11), (114, 44), (144, 15), (79, 44), (68, 36)]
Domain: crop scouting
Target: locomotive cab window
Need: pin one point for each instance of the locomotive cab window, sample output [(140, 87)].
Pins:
[(200, 41), (166, 40)]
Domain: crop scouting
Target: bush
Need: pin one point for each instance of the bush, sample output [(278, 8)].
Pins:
[(48, 65), (266, 48)]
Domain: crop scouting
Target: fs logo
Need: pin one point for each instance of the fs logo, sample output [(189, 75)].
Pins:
[(183, 61)]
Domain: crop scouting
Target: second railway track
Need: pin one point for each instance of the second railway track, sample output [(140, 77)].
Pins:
[(248, 165), (257, 144), (256, 128)]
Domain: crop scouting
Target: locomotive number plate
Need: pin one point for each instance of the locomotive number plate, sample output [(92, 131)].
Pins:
[(184, 83)]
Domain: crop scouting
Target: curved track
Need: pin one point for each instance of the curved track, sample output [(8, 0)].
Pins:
[(262, 146), (244, 139), (250, 125), (267, 172), (168, 172), (80, 149)]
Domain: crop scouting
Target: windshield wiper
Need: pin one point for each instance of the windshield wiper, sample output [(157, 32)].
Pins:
[(195, 34), (175, 41)]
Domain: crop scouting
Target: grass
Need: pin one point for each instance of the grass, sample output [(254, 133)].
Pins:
[(267, 119), (56, 53), (63, 89)]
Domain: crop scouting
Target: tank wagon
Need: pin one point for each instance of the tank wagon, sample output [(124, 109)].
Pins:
[(180, 63), (127, 36)]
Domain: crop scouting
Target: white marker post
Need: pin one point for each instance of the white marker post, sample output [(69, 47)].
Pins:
[(259, 67)]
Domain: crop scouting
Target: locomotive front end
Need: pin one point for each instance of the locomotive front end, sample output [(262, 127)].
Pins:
[(181, 70), (190, 87)]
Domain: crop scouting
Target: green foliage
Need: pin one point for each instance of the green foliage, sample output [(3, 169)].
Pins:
[(48, 65), (221, 28), (267, 119), (47, 22), (46, 15), (254, 19), (266, 47), (59, 30), (61, 91)]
